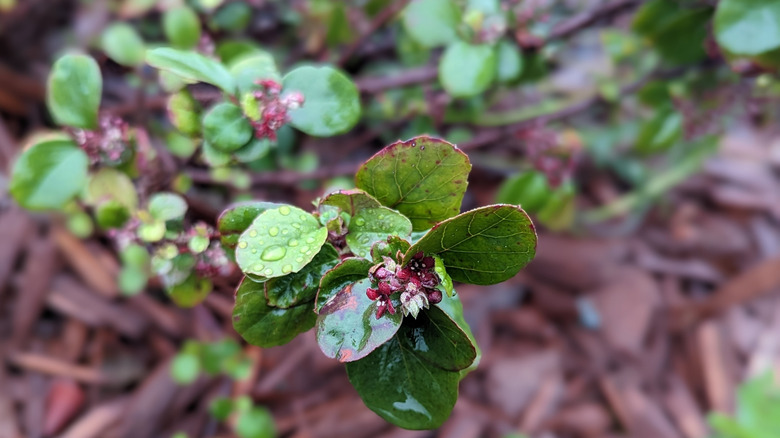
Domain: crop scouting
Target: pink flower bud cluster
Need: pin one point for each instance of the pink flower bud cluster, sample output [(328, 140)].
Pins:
[(107, 143), (416, 282), (273, 108)]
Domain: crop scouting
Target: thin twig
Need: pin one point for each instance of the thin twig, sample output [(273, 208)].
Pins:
[(379, 20), (584, 19)]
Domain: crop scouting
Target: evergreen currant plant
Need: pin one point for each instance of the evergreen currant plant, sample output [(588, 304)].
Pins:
[(373, 269)]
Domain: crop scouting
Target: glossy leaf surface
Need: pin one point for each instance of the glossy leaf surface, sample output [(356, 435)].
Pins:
[(266, 326), (347, 327), (238, 217), (226, 128), (466, 70), (331, 102), (483, 246), (371, 225), (301, 287), (349, 271), (432, 23), (192, 66)]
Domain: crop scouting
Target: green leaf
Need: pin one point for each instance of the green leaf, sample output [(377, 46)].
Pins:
[(423, 178), (184, 113), (131, 280), (166, 206), (445, 281), (347, 327), (660, 133), (192, 66), (483, 246), (233, 17), (256, 422), (371, 225), (48, 174), (256, 149), (432, 22), (389, 248), (467, 70), (348, 271), (260, 65), (331, 102), (509, 60), (238, 217), (111, 184), (558, 212), (122, 44), (214, 157), (179, 144), (190, 292), (748, 27), (226, 128), (446, 345), (111, 214), (181, 27), (676, 31), (266, 326), (73, 92), (528, 189), (402, 387), (453, 307), (350, 201), (185, 368), (301, 287), (279, 241)]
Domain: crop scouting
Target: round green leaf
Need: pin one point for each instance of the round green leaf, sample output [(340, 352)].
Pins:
[(238, 217), (483, 246), (212, 156), (558, 211), (748, 27), (256, 422), (185, 368), (371, 225), (73, 92), (347, 327), (389, 248), (226, 128), (131, 280), (48, 174), (123, 45), (402, 387), (423, 178), (180, 145), (466, 70), (190, 292), (529, 190), (279, 241), (184, 113), (192, 66), (167, 206), (111, 214), (331, 102), (111, 184), (509, 61), (266, 326), (349, 271), (233, 17), (350, 201), (301, 287), (181, 27), (432, 22)]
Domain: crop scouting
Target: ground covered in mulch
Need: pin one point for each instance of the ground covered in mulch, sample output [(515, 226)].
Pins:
[(634, 328)]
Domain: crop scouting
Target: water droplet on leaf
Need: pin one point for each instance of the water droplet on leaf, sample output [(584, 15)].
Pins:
[(273, 231), (360, 221), (253, 233), (242, 245), (284, 211), (292, 242), (268, 272), (286, 269), (273, 253)]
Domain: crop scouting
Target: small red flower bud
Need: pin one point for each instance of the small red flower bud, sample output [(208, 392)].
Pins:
[(428, 263), (385, 289), (434, 296), (404, 274), (372, 294), (380, 309), (390, 307), (381, 273)]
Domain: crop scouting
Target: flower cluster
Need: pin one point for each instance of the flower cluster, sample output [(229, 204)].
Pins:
[(273, 108), (416, 282), (106, 144)]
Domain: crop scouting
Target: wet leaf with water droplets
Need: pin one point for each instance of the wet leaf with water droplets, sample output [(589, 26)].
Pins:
[(237, 218), (301, 287), (345, 273), (350, 201), (366, 228), (347, 328), (264, 248), (439, 340), (423, 178)]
